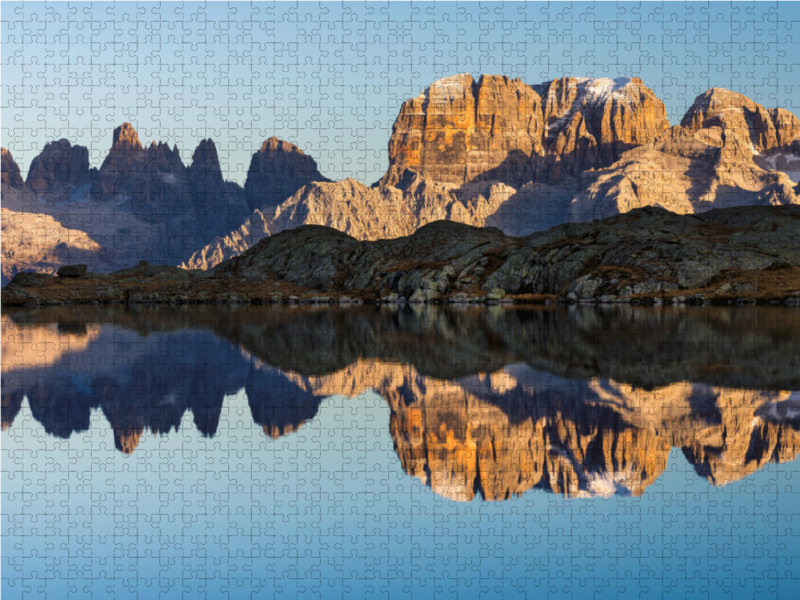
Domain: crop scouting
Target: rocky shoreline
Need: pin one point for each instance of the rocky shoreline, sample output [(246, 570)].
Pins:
[(746, 255)]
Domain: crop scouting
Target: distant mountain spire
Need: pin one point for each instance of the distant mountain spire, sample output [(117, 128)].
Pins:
[(276, 172), (11, 175)]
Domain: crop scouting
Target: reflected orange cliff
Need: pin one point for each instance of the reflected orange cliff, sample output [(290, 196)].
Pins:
[(486, 403)]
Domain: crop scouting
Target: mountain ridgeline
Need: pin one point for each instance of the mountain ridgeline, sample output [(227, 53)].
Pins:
[(142, 203), (492, 152)]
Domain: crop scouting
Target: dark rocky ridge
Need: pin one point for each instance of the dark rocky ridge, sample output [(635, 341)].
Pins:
[(642, 252), (750, 253)]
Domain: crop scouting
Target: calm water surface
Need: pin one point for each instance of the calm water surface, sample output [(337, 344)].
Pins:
[(392, 453)]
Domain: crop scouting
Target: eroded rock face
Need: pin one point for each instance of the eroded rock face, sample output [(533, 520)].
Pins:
[(589, 123), (276, 172), (11, 175), (59, 165), (685, 171), (459, 130), (764, 130), (787, 126)]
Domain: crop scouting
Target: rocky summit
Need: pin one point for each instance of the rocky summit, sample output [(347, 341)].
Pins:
[(276, 172), (651, 255), (11, 174), (459, 129), (492, 152)]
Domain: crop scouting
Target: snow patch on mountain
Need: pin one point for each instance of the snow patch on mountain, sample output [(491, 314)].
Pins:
[(599, 91)]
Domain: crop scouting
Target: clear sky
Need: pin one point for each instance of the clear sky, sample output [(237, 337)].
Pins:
[(331, 77)]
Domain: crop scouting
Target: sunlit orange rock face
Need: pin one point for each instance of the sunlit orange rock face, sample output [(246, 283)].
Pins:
[(600, 443), (589, 123), (763, 130), (459, 130), (466, 446)]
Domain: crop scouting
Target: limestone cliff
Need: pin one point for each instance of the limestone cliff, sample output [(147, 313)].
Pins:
[(762, 130), (459, 130), (589, 123), (684, 171)]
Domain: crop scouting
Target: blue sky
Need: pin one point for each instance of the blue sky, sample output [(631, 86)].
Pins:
[(331, 77)]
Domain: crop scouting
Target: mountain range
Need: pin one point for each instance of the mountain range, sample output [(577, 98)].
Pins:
[(492, 152)]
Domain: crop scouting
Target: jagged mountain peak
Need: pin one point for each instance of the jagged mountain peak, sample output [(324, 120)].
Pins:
[(205, 157), (58, 166), (125, 137), (11, 174), (274, 144), (762, 129), (277, 171)]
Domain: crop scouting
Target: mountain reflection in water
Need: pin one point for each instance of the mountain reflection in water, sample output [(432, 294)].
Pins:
[(493, 402)]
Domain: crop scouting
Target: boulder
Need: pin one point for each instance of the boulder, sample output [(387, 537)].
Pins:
[(72, 271)]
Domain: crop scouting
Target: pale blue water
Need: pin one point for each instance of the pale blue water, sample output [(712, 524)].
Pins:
[(213, 507)]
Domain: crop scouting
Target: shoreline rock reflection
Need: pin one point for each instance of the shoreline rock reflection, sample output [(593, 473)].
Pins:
[(482, 402)]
